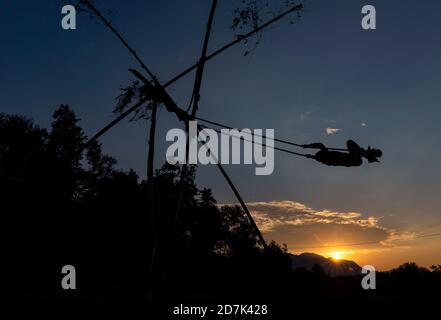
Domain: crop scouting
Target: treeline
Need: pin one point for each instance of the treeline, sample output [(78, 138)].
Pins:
[(64, 207)]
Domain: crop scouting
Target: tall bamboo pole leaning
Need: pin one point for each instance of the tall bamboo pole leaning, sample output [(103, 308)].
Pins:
[(239, 197), (152, 221), (195, 97)]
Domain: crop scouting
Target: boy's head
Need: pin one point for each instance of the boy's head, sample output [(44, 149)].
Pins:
[(372, 154)]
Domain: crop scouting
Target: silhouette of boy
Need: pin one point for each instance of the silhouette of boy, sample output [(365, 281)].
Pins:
[(351, 158)]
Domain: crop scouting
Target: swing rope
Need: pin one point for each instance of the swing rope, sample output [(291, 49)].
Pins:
[(263, 136), (258, 143)]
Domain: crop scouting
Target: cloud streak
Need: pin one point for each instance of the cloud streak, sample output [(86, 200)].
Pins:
[(330, 130)]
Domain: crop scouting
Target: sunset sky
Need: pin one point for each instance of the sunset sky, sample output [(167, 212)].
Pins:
[(321, 79)]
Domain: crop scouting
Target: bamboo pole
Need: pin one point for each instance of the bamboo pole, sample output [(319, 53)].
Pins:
[(150, 190), (239, 198), (195, 99)]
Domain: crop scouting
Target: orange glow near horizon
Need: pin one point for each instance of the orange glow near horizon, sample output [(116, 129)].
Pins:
[(336, 255)]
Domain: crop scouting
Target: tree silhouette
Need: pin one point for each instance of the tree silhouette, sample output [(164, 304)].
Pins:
[(64, 141), (81, 210)]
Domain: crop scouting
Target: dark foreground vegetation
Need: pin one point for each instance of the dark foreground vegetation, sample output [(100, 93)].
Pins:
[(60, 208)]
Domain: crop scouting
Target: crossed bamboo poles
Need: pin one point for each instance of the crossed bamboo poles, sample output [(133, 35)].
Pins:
[(123, 115), (158, 94)]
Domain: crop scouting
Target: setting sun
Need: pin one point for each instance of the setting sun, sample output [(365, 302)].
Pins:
[(340, 254), (336, 255)]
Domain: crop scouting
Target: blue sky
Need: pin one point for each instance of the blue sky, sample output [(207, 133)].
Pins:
[(324, 71)]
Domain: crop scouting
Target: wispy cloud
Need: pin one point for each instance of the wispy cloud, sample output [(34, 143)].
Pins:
[(303, 228), (330, 130), (397, 236), (270, 215)]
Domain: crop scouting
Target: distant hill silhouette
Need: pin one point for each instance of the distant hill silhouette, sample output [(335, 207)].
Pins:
[(330, 266)]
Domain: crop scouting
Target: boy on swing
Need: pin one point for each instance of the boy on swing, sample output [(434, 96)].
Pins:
[(352, 158)]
